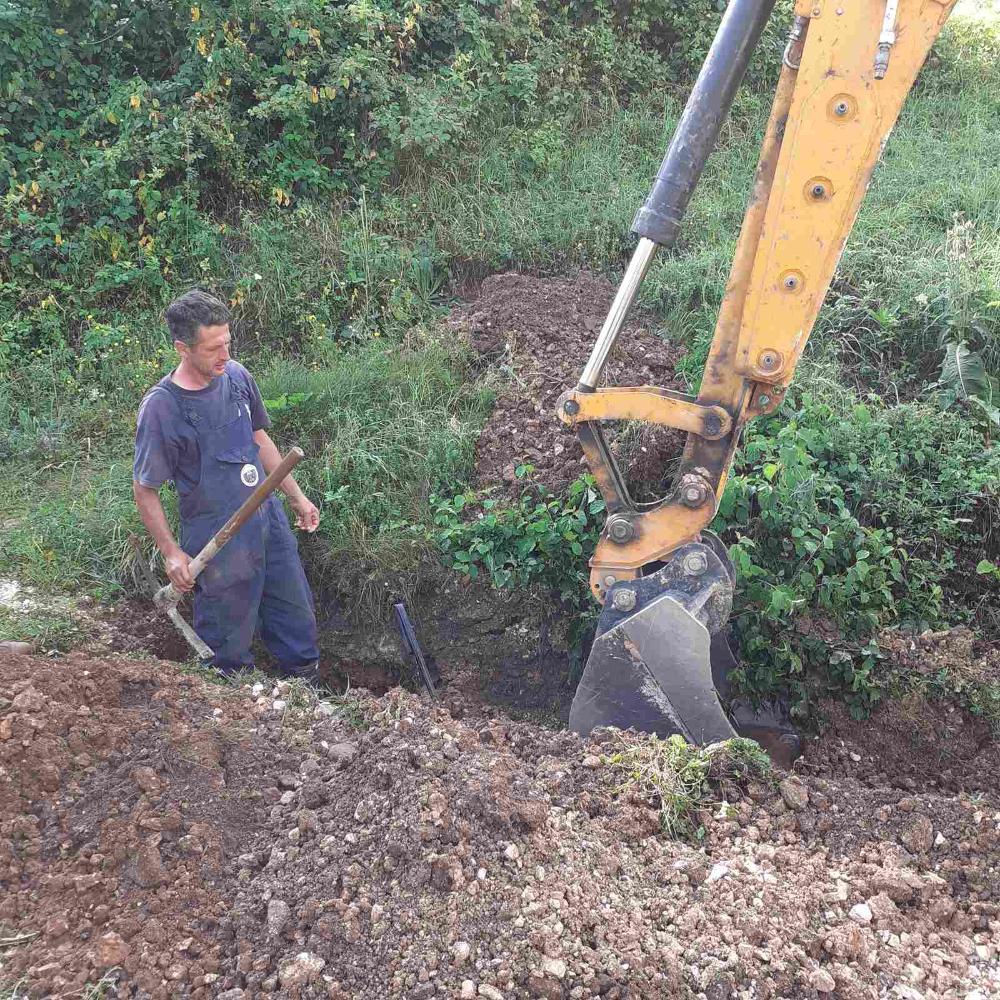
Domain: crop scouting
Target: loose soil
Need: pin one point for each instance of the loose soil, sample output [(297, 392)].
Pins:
[(179, 838), (537, 333)]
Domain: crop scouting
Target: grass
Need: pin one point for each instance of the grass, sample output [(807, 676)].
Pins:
[(46, 628), (678, 777)]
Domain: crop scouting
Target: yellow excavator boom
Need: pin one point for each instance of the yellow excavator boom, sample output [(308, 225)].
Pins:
[(665, 581)]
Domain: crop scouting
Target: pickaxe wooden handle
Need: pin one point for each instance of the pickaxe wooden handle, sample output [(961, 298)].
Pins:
[(169, 596)]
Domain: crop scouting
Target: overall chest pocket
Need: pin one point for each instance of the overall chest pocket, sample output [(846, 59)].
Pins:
[(241, 466)]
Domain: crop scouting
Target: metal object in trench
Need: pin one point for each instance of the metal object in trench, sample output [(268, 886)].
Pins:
[(409, 637)]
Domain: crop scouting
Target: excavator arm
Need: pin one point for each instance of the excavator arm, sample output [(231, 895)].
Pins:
[(659, 660)]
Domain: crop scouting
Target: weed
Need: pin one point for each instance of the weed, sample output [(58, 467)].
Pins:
[(677, 777)]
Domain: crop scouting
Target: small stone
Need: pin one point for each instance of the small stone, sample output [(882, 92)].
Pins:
[(111, 950), (300, 971), (795, 794), (821, 981), (554, 967), (940, 840), (29, 700), (468, 989), (342, 753), (234, 994), (278, 914), (904, 992), (918, 834), (882, 908), (149, 870), (591, 760), (278, 705), (461, 950), (511, 853), (861, 913), (719, 871), (490, 992), (146, 779)]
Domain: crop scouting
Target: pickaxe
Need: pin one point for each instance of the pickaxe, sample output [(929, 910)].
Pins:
[(168, 597)]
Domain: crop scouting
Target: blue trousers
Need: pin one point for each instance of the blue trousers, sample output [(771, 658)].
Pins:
[(269, 595)]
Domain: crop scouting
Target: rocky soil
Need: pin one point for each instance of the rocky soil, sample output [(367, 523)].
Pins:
[(178, 838), (538, 333)]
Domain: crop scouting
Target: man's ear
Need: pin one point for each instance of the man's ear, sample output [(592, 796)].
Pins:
[(180, 347)]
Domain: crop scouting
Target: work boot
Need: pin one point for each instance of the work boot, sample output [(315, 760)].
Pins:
[(306, 672)]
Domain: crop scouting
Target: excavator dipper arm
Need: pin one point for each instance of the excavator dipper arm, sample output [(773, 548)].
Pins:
[(664, 580)]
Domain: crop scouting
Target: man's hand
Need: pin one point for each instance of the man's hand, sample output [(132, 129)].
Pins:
[(306, 514), (177, 570)]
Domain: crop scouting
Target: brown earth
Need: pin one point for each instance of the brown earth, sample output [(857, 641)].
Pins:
[(538, 333), (185, 839)]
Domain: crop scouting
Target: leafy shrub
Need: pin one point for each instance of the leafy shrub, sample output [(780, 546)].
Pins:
[(540, 539), (844, 519)]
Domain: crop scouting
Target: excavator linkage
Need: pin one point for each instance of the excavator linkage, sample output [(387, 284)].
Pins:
[(660, 661)]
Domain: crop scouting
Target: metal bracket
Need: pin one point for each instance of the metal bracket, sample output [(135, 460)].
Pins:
[(647, 403)]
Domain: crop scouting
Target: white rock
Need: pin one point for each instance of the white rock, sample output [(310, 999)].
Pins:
[(278, 705), (511, 853), (904, 992), (490, 992), (468, 990), (554, 967), (976, 995), (718, 871), (257, 690), (461, 950), (861, 913), (301, 970), (821, 981), (278, 914), (940, 839)]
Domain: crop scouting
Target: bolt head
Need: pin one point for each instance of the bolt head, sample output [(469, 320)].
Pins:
[(712, 424), (692, 495), (695, 563), (571, 406), (841, 108), (763, 399), (609, 581), (623, 600), (620, 529), (818, 191)]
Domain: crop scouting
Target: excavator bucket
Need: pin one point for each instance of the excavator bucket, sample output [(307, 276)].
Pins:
[(660, 662)]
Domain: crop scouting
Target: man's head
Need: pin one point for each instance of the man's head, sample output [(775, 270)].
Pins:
[(199, 325)]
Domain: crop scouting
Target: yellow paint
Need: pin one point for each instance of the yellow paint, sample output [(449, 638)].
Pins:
[(839, 119)]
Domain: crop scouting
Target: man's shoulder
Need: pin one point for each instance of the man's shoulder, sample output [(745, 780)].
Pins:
[(235, 370), (158, 400)]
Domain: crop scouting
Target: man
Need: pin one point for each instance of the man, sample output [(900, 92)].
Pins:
[(204, 427)]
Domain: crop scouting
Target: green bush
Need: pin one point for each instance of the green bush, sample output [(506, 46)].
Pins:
[(541, 538), (845, 518)]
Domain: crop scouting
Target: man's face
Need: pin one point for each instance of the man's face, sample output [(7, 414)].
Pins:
[(210, 351)]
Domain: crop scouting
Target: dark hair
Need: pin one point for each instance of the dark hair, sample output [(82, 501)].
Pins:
[(193, 310)]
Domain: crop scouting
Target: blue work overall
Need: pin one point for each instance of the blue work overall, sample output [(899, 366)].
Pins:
[(258, 573)]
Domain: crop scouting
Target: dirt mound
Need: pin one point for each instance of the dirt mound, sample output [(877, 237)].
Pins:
[(126, 793), (538, 333), (183, 839), (915, 742)]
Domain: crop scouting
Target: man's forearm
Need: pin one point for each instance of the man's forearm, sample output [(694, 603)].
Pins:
[(270, 458), (154, 518)]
